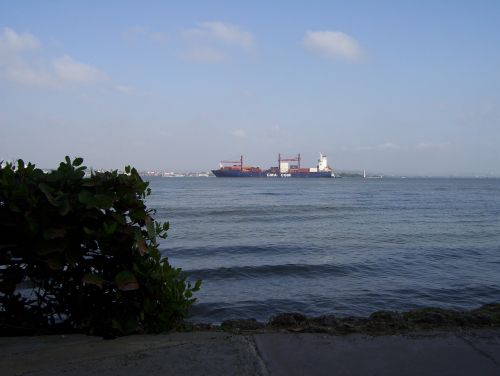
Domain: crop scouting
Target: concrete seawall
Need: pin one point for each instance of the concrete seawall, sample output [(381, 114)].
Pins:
[(458, 352)]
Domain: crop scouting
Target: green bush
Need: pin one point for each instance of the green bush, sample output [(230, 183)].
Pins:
[(80, 253)]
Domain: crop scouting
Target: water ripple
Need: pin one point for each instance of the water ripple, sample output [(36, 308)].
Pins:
[(342, 246)]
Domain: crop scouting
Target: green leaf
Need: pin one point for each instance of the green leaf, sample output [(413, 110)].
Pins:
[(54, 232), (98, 201), (55, 263), (64, 207), (141, 243), (116, 325), (88, 231), (47, 191), (151, 229), (93, 279), (84, 197), (103, 201), (126, 281), (111, 228), (119, 219), (13, 207), (137, 215), (48, 247), (77, 162)]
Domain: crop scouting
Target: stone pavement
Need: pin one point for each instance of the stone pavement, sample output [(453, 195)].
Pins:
[(470, 352)]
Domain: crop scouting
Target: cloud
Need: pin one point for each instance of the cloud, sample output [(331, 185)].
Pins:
[(433, 145), (67, 70), (333, 44), (12, 42), (213, 42), (21, 73), (240, 133), (139, 32), (229, 34), (124, 89), (60, 72), (204, 54), (387, 146), (223, 33)]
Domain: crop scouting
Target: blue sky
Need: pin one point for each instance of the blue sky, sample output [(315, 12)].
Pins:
[(393, 87)]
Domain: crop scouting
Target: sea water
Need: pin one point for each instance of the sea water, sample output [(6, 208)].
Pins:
[(331, 246)]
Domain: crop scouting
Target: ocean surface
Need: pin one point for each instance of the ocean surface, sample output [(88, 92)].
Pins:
[(338, 246)]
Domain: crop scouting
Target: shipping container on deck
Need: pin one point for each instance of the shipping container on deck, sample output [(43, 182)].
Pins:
[(285, 169)]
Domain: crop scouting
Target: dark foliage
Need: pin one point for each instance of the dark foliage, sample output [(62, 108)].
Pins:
[(80, 253)]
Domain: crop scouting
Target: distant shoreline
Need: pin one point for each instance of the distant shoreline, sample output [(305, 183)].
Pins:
[(339, 175)]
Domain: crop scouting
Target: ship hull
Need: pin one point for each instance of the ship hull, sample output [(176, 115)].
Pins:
[(265, 174), (238, 174)]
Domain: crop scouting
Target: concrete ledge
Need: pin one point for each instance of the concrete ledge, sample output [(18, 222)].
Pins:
[(430, 354), (200, 353), (470, 352)]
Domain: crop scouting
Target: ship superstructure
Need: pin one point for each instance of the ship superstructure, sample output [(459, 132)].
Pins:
[(287, 168)]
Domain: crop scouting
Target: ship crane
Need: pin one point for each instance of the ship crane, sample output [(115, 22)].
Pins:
[(234, 163), (283, 166)]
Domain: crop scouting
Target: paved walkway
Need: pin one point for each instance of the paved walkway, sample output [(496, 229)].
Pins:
[(278, 353)]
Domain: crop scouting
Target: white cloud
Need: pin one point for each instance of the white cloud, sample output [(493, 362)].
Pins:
[(229, 34), (214, 42), (137, 32), (16, 66), (67, 70), (433, 145), (10, 41), (21, 73), (223, 33), (333, 44), (124, 89), (387, 146), (240, 133), (204, 54)]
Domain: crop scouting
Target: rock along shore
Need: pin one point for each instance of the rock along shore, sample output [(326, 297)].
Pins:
[(378, 323)]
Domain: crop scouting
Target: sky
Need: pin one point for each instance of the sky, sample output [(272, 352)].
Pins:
[(401, 87)]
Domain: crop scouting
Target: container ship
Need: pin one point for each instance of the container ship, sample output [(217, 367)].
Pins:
[(287, 168)]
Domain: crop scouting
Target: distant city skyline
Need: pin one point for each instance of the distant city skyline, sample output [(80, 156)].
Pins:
[(391, 87)]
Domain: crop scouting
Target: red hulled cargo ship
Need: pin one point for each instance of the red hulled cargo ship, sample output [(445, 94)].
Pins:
[(287, 168)]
